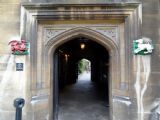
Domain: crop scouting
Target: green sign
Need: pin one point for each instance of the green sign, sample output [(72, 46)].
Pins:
[(142, 46)]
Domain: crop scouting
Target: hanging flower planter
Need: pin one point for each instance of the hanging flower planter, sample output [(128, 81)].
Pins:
[(19, 47)]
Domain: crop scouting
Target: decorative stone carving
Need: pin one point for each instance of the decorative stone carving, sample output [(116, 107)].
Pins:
[(106, 30), (50, 33)]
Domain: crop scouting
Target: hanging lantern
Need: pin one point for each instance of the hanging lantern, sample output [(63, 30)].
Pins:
[(82, 45)]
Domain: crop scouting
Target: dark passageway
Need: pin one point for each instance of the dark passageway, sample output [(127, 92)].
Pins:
[(82, 98), (82, 101)]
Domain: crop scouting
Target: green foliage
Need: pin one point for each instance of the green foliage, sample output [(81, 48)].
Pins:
[(82, 65)]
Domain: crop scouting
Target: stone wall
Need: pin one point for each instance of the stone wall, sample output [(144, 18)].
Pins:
[(79, 1), (9, 81), (9, 22), (11, 84), (151, 29)]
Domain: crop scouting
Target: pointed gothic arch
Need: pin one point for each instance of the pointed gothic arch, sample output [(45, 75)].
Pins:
[(105, 41), (55, 42), (38, 63)]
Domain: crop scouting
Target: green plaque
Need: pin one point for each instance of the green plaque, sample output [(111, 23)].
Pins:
[(142, 46)]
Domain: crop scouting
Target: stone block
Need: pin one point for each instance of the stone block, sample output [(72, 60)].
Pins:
[(151, 20), (155, 67), (152, 33), (155, 91), (151, 26), (7, 115), (121, 107), (9, 24), (150, 4), (154, 79), (9, 13), (10, 1), (78, 1)]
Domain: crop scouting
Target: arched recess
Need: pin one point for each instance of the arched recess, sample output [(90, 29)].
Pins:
[(52, 44)]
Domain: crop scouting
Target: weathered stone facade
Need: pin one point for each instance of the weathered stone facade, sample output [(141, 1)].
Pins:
[(133, 96)]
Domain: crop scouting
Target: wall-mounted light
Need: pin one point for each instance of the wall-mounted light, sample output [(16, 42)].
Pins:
[(66, 57), (82, 45)]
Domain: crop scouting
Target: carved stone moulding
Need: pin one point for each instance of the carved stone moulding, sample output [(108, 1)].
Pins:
[(52, 31), (129, 14), (72, 11), (32, 14)]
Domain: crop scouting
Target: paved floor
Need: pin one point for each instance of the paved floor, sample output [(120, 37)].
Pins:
[(81, 101)]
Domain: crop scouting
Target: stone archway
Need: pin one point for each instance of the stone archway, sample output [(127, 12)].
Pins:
[(127, 19), (106, 42)]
